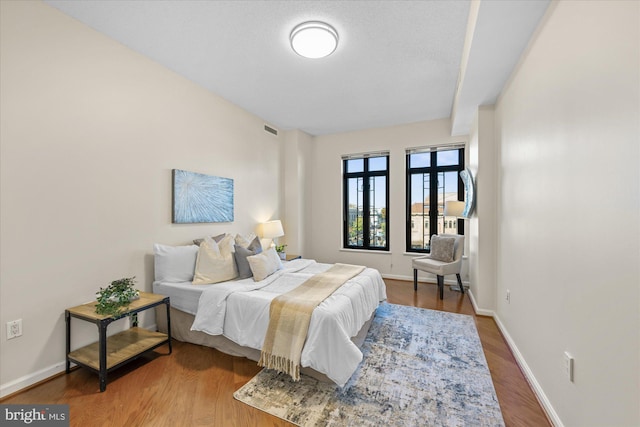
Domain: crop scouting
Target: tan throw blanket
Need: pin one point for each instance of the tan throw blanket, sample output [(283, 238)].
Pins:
[(290, 315)]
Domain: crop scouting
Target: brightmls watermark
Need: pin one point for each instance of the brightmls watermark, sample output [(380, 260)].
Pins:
[(36, 415)]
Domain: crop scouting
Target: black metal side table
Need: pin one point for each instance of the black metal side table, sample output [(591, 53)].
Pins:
[(124, 346)]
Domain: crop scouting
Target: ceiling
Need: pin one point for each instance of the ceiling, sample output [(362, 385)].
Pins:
[(397, 62)]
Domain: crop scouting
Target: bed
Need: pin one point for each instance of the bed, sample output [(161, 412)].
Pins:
[(233, 316)]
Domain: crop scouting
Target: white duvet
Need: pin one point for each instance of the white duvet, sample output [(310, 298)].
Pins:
[(239, 310)]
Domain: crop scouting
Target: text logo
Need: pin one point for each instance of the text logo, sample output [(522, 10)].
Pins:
[(34, 415)]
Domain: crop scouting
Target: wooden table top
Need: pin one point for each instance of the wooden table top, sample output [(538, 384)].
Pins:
[(88, 310)]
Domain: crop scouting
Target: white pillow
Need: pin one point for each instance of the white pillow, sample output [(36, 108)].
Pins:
[(174, 264), (215, 261), (244, 241), (264, 264)]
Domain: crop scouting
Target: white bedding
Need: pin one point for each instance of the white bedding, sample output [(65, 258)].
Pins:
[(239, 310), (184, 295)]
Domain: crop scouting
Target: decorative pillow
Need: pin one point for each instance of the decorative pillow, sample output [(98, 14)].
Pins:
[(241, 254), (442, 248), (174, 264), (215, 261), (265, 264), (215, 238), (245, 241)]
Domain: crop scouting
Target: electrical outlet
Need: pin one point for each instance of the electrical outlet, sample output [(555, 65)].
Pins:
[(14, 329), (568, 366), (508, 296)]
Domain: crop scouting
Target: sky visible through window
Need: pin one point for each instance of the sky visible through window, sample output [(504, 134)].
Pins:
[(445, 158), (355, 185), (449, 157)]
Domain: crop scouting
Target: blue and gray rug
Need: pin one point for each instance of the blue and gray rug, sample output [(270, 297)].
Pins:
[(420, 368)]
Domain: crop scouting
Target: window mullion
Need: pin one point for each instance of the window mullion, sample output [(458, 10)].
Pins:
[(461, 189), (408, 213), (365, 205), (433, 196), (345, 210)]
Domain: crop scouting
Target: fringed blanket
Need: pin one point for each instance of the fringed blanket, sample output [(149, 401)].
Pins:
[(290, 315)]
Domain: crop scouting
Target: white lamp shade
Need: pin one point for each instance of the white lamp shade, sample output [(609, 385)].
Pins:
[(272, 229), (453, 208)]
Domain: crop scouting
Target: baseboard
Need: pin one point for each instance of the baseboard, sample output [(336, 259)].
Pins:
[(480, 311), (552, 415), (41, 375), (31, 379)]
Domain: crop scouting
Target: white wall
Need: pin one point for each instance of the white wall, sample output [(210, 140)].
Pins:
[(567, 130), (326, 201), (481, 228), (296, 165), (89, 134)]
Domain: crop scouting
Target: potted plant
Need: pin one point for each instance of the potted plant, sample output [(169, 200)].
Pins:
[(281, 252), (116, 296)]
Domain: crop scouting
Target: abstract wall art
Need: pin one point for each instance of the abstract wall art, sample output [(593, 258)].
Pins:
[(469, 193), (201, 198)]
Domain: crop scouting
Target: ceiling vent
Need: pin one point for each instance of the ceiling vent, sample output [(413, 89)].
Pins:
[(271, 130)]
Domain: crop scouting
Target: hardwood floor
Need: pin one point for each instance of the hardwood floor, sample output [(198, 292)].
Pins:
[(194, 386)]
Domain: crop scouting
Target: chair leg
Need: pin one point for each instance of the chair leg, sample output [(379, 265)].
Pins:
[(460, 283), (415, 280), (441, 286)]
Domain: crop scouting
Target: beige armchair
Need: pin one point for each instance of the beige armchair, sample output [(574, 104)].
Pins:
[(431, 264)]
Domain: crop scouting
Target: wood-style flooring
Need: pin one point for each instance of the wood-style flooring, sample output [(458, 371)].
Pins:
[(194, 386)]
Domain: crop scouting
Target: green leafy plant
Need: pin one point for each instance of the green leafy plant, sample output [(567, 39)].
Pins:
[(116, 296), (280, 248)]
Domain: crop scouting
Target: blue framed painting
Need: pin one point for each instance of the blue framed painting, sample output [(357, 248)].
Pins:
[(201, 198)]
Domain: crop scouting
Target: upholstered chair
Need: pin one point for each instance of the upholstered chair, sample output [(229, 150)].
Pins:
[(442, 260)]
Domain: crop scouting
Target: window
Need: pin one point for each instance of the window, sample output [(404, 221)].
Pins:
[(432, 178), (366, 201)]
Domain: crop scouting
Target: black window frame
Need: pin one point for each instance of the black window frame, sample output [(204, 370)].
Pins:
[(366, 174), (433, 169)]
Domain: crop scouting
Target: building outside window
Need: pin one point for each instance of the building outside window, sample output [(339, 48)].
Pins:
[(366, 201), (432, 178)]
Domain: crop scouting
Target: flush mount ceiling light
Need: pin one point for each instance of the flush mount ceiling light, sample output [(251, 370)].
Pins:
[(314, 39)]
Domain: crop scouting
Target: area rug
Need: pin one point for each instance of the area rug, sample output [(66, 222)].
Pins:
[(420, 368)]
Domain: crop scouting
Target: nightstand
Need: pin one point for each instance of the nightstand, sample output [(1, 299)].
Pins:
[(291, 257), (110, 353)]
